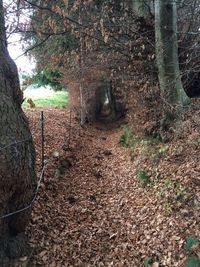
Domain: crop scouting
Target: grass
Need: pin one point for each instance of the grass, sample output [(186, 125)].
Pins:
[(59, 99)]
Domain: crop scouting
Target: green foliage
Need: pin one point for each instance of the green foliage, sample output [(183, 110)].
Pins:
[(147, 261), (167, 207), (197, 140), (127, 138), (180, 192), (47, 77), (143, 177), (193, 262), (24, 76), (58, 99), (160, 152), (172, 194), (163, 149), (190, 242)]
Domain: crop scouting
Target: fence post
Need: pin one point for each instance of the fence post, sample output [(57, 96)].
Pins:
[(42, 140), (70, 126)]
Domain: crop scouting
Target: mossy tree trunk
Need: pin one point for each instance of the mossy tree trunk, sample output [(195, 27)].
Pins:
[(167, 54), (17, 175), (142, 8)]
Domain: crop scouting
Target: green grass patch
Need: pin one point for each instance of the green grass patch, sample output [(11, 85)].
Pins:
[(59, 100)]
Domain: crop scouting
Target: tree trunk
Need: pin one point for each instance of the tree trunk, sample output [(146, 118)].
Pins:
[(141, 8), (106, 102), (17, 175), (167, 54)]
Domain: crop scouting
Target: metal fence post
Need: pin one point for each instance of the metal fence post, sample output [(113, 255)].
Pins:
[(70, 126), (42, 140)]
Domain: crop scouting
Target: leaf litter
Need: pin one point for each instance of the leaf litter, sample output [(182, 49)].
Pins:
[(96, 213)]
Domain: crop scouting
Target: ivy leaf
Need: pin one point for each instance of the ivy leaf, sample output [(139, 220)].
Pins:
[(147, 261), (190, 242), (193, 262)]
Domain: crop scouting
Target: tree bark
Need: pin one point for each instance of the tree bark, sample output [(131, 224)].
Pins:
[(141, 8), (167, 54), (17, 161)]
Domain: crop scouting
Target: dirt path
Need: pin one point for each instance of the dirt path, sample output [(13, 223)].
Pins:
[(95, 213)]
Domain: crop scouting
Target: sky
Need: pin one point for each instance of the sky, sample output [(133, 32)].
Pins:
[(23, 62)]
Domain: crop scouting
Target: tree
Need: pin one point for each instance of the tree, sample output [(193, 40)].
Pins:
[(189, 49), (120, 45), (75, 45), (17, 158), (142, 8), (167, 54)]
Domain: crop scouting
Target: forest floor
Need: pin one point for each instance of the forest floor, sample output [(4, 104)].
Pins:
[(103, 204)]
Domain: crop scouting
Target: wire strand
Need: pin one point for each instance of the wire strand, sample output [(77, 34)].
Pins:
[(24, 140), (36, 190), (32, 201)]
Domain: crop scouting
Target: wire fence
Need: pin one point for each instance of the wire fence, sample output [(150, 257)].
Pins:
[(43, 161), (32, 201)]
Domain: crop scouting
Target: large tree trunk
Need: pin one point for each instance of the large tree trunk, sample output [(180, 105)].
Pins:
[(167, 54), (17, 175)]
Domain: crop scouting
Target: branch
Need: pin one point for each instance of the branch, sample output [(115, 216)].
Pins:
[(33, 47), (50, 10)]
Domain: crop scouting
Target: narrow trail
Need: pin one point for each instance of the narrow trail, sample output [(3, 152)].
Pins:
[(95, 213)]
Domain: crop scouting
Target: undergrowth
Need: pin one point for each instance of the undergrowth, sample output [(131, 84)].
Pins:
[(127, 138), (148, 153), (143, 177), (190, 244)]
